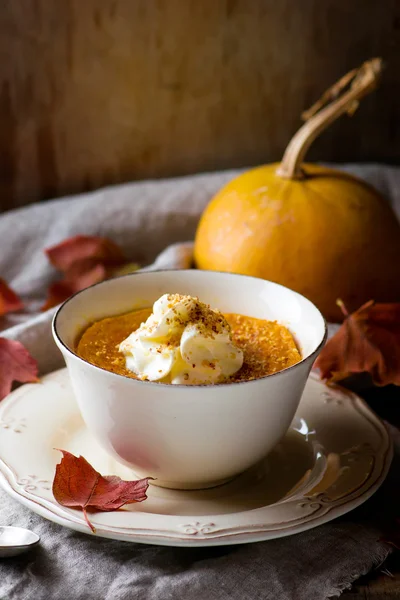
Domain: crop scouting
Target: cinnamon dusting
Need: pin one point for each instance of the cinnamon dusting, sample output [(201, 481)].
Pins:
[(268, 347)]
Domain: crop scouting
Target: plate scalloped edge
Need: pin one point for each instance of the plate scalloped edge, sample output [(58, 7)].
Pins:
[(199, 531)]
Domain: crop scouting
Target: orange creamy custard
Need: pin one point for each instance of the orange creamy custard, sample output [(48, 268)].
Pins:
[(267, 346)]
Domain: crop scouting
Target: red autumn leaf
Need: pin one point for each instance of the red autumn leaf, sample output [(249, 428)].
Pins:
[(78, 485), (9, 301), (61, 290), (16, 364), (84, 260), (65, 255), (367, 342)]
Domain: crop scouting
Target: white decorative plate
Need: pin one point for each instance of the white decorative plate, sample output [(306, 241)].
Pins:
[(335, 456)]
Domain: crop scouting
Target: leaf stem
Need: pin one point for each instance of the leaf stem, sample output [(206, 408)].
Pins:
[(342, 307), (87, 519)]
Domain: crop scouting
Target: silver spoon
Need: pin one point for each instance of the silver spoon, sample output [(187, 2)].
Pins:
[(16, 540)]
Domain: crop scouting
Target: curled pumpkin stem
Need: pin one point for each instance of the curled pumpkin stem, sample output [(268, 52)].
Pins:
[(336, 101), (354, 78)]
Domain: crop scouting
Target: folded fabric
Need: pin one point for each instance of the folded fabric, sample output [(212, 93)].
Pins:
[(144, 219)]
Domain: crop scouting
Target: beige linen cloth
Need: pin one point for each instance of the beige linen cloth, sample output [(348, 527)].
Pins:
[(145, 219)]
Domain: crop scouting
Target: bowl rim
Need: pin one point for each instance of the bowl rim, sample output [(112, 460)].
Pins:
[(62, 345)]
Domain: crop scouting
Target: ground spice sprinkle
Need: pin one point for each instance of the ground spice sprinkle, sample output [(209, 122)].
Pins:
[(267, 346)]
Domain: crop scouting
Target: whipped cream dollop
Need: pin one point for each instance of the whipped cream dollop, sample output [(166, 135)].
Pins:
[(183, 341)]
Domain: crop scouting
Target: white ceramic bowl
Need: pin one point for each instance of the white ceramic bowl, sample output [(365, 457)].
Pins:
[(189, 436)]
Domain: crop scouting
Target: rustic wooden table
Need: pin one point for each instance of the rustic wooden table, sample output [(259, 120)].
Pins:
[(384, 582)]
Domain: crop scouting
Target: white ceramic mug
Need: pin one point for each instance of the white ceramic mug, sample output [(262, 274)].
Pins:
[(189, 436)]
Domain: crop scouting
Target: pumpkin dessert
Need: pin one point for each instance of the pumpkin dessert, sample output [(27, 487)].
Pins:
[(183, 341)]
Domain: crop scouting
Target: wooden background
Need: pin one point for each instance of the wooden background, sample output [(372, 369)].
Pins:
[(100, 91)]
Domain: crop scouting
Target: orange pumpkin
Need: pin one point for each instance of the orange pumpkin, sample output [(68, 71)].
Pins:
[(319, 231)]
